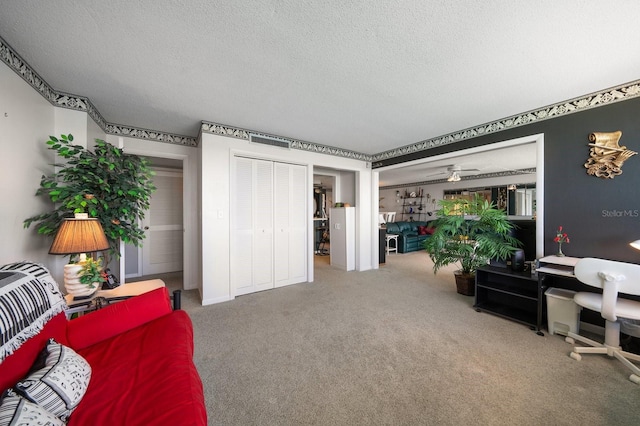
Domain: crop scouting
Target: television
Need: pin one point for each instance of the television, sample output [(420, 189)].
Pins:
[(524, 230)]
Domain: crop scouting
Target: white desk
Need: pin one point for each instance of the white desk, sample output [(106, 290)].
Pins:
[(558, 265)]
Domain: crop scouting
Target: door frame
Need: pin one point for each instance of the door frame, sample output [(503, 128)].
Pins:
[(334, 175), (189, 202), (537, 138)]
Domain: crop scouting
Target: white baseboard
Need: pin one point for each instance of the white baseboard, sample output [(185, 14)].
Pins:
[(213, 301)]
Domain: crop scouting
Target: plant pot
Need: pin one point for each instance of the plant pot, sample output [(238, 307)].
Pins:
[(465, 283), (73, 285)]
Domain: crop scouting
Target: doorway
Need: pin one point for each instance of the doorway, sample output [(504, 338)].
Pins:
[(323, 191), (421, 166), (163, 225), (163, 247)]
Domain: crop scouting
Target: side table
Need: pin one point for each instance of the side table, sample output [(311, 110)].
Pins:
[(122, 292), (394, 247)]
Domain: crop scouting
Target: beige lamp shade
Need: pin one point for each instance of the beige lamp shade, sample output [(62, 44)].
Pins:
[(635, 244), (79, 236)]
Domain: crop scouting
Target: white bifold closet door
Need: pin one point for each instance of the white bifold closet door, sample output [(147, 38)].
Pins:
[(290, 224), (268, 238)]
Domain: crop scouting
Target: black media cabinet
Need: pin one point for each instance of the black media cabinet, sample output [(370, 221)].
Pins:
[(514, 295)]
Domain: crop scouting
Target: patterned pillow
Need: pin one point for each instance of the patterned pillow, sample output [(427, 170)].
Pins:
[(57, 381), (15, 410)]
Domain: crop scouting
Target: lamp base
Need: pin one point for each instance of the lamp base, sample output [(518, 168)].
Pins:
[(73, 285)]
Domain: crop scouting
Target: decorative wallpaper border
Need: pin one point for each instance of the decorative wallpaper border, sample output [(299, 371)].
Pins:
[(234, 132), (464, 178), (20, 67), (154, 135), (608, 96), (65, 100)]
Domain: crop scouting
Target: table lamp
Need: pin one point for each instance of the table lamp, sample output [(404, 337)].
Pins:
[(635, 244), (78, 235)]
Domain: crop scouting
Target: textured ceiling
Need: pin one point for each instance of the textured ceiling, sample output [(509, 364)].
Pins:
[(364, 75)]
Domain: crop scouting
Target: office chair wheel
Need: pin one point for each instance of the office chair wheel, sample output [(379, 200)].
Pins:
[(569, 340), (575, 356), (635, 379)]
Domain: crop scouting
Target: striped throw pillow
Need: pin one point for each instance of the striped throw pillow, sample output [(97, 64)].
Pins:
[(15, 410), (58, 380)]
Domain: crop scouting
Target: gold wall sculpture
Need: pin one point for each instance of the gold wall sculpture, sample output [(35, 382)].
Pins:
[(606, 155)]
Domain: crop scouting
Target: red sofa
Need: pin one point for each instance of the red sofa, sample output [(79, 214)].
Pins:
[(141, 356)]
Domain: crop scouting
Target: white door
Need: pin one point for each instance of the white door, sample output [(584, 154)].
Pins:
[(290, 220), (163, 225), (252, 226)]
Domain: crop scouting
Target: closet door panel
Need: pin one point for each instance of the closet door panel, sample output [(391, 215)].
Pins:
[(298, 225), (242, 231), (282, 207), (263, 225), (291, 222)]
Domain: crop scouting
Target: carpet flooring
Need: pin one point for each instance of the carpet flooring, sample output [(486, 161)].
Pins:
[(394, 346)]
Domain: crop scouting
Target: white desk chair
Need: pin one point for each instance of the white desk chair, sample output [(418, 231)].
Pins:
[(613, 278)]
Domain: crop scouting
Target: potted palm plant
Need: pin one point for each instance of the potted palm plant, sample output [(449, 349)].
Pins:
[(469, 232)]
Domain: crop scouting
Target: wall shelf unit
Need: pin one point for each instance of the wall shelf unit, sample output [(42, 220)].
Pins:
[(413, 208)]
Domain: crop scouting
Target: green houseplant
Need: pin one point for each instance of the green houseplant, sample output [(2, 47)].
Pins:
[(83, 278), (91, 273), (469, 232), (105, 183)]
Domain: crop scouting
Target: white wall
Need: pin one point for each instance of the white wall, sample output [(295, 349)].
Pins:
[(26, 121), (347, 188), (76, 123), (216, 153)]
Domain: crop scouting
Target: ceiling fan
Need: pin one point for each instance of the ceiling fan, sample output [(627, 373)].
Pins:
[(454, 172)]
